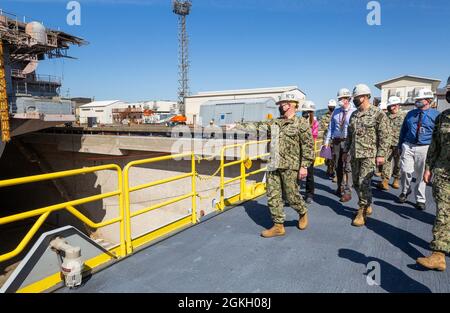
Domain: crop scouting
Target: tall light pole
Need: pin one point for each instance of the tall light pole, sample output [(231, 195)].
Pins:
[(182, 9)]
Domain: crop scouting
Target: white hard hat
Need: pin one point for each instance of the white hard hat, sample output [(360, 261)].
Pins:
[(424, 93), (288, 96), (394, 100), (332, 103), (448, 83), (383, 106), (308, 105), (344, 93), (360, 90)]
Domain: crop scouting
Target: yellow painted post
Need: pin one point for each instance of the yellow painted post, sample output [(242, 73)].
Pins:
[(243, 180), (123, 249), (194, 191), (4, 111), (126, 190), (222, 180)]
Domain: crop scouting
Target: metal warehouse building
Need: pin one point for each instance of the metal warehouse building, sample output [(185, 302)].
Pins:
[(243, 110), (194, 102)]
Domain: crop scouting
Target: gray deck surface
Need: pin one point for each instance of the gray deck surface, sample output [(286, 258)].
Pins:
[(226, 254)]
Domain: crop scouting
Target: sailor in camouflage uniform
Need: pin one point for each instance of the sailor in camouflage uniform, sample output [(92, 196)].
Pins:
[(324, 122), (367, 143), (291, 153), (438, 165), (395, 117)]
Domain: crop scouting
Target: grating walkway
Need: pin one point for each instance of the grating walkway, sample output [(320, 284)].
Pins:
[(226, 254)]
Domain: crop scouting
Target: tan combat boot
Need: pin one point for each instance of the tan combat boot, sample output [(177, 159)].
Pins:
[(384, 184), (396, 183), (276, 230), (369, 211), (303, 221), (360, 219), (436, 261)]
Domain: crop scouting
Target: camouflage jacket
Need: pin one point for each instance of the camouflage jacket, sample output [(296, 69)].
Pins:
[(438, 157), (292, 144), (368, 134), (324, 122), (395, 125)]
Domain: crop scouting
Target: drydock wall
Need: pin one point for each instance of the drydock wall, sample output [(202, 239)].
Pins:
[(86, 185)]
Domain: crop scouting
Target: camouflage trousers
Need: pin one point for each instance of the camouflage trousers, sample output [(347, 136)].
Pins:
[(330, 166), (392, 159), (283, 182), (441, 229), (362, 173)]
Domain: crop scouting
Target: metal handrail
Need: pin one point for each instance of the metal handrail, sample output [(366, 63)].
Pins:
[(128, 190), (243, 175), (69, 206), (124, 190)]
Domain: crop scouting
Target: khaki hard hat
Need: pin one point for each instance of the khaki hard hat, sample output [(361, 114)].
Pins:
[(361, 90), (332, 103), (424, 93), (288, 97), (344, 93), (394, 100), (308, 106)]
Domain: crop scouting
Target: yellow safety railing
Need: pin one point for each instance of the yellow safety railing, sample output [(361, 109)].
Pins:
[(243, 192), (318, 160), (243, 157), (127, 243), (192, 218), (69, 206)]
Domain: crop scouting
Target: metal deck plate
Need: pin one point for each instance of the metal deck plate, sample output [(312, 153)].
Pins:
[(226, 253)]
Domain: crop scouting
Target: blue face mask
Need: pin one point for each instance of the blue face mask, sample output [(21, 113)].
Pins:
[(419, 104)]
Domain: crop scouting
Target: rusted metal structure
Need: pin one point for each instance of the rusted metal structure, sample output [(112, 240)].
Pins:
[(29, 101)]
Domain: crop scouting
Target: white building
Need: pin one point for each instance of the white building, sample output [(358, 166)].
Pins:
[(442, 103), (406, 87), (162, 106), (193, 103), (101, 111)]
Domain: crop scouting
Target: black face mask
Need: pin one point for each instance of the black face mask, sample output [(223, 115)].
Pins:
[(331, 109), (356, 102), (305, 114), (280, 109), (447, 96)]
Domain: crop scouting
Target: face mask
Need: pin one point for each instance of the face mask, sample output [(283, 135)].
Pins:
[(331, 109), (356, 102), (419, 104), (341, 103), (305, 114), (281, 110), (447, 96)]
